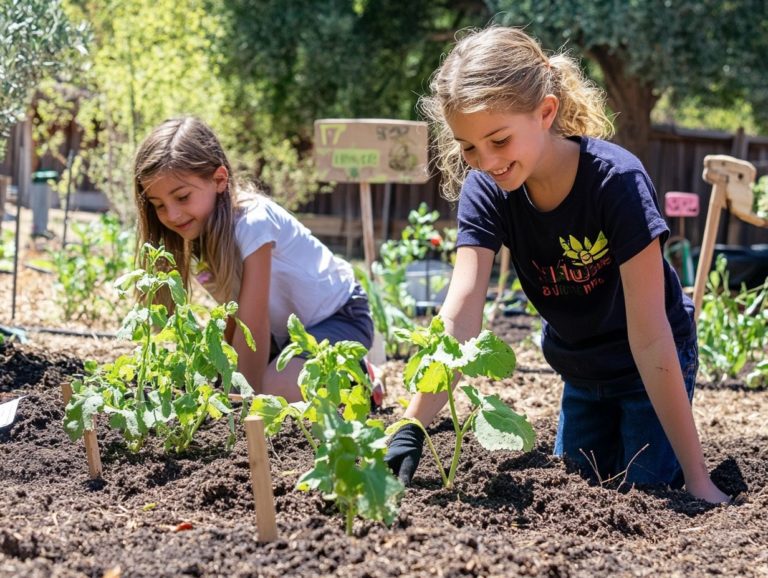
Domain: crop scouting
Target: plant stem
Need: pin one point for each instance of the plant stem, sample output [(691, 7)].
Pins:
[(459, 434), (306, 434), (350, 520), (145, 349), (457, 449), (440, 468)]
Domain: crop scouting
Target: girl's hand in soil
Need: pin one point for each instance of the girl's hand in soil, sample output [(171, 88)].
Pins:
[(704, 489), (404, 452)]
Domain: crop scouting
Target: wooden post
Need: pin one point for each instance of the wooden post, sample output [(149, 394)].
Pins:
[(261, 480), (366, 213), (89, 437), (731, 181)]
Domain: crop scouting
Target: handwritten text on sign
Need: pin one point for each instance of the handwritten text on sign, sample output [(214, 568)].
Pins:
[(371, 150)]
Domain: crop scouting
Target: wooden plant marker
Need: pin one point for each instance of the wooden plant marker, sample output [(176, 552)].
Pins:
[(261, 480), (731, 181), (89, 437)]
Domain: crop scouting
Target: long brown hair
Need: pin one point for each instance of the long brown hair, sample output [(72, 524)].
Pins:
[(504, 69), (188, 145)]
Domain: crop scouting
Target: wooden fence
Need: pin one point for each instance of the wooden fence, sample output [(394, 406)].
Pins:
[(675, 164)]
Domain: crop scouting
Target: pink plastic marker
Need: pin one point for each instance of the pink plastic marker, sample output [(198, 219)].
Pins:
[(678, 204)]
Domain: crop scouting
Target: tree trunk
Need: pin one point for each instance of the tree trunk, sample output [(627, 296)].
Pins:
[(630, 98)]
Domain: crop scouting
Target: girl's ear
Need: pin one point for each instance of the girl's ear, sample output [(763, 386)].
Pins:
[(221, 178), (548, 110)]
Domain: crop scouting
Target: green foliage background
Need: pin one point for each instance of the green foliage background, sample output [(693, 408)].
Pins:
[(261, 71)]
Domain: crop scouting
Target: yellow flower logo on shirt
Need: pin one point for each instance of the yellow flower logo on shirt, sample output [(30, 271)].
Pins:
[(582, 254)]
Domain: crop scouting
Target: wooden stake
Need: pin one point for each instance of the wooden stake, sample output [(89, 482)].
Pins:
[(366, 213), (716, 204), (261, 480), (89, 437)]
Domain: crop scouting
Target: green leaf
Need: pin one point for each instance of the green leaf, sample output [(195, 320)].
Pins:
[(215, 351), (242, 385), (356, 402), (474, 395), (434, 379), (80, 413), (487, 355), (289, 352), (218, 405), (380, 493), (176, 285), (300, 336), (246, 333), (185, 407), (273, 410), (497, 427)]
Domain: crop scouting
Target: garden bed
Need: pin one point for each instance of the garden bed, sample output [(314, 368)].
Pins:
[(509, 514)]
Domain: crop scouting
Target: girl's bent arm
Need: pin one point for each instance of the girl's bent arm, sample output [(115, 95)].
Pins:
[(653, 348), (462, 313), (253, 310)]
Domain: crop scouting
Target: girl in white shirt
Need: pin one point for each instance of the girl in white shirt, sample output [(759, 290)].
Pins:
[(244, 247)]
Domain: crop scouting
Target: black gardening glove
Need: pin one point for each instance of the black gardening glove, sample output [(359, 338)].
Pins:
[(404, 452)]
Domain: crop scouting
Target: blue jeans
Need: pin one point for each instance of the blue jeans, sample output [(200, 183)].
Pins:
[(618, 430)]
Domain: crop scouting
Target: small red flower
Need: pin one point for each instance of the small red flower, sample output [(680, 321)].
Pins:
[(436, 240)]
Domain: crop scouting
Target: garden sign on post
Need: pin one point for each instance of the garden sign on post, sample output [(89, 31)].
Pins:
[(369, 151)]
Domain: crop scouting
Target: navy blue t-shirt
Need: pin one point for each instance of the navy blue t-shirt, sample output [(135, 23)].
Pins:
[(568, 258)]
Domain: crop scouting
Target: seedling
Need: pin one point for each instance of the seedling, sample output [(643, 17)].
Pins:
[(349, 466), (439, 360), (169, 383)]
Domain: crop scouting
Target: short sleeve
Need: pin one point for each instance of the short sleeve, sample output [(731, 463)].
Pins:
[(631, 214), (479, 219), (255, 229)]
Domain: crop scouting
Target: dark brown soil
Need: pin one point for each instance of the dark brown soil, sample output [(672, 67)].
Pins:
[(509, 515)]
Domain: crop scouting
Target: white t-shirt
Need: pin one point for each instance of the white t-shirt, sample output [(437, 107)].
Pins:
[(307, 279)]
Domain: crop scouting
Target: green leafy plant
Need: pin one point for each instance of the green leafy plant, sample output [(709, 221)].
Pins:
[(85, 269), (439, 360), (386, 316), (178, 375), (733, 329), (349, 466), (419, 240)]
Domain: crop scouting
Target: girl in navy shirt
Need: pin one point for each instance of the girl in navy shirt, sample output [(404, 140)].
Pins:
[(520, 136)]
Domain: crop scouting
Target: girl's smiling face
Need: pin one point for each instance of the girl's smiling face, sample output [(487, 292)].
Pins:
[(183, 201), (506, 145)]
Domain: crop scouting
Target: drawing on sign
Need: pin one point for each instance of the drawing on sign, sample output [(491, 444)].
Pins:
[(401, 158), (373, 151)]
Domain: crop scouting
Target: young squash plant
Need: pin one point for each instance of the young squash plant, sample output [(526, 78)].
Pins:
[(178, 375), (438, 361), (349, 467)]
